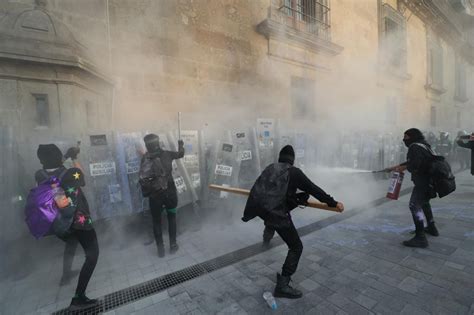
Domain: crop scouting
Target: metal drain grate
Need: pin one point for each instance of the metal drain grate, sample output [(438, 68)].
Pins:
[(116, 299)]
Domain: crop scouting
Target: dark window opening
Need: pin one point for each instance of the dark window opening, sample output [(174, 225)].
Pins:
[(42, 110)]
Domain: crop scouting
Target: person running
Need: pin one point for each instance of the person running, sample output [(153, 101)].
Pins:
[(272, 198), (81, 231)]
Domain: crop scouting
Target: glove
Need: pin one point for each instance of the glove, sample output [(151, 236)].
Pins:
[(72, 153), (302, 198), (180, 143)]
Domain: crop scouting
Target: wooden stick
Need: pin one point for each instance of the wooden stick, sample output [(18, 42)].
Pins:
[(246, 192)]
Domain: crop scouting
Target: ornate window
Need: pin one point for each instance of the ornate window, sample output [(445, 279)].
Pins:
[(435, 66), (460, 93), (393, 39)]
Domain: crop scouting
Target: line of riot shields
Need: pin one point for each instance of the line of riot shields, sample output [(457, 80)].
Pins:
[(234, 158)]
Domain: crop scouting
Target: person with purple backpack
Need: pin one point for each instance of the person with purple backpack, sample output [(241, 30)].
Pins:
[(81, 230)]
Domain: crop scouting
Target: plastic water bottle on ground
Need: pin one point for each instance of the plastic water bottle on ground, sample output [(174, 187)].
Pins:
[(268, 296)]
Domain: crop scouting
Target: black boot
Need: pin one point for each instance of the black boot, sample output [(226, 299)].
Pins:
[(174, 248), (80, 302), (431, 229), (419, 240), (284, 290)]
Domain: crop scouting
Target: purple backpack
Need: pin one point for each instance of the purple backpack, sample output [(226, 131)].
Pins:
[(41, 209)]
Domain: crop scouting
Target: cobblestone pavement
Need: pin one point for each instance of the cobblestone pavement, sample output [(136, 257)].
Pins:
[(356, 266)]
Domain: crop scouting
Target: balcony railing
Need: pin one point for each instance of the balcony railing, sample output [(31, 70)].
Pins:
[(308, 16)]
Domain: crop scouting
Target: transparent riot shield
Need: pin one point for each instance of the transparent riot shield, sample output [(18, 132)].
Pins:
[(225, 168), (129, 153), (103, 188), (301, 150), (245, 145), (266, 141), (191, 161), (185, 197)]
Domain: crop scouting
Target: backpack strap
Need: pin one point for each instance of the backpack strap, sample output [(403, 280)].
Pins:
[(424, 146), (62, 174), (44, 174)]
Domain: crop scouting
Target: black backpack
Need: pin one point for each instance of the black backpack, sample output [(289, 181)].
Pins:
[(152, 176), (268, 196), (441, 176)]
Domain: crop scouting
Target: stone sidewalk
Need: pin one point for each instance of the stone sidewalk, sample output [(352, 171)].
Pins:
[(356, 266), (124, 261)]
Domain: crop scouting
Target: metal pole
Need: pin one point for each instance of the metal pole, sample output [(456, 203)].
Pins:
[(179, 125)]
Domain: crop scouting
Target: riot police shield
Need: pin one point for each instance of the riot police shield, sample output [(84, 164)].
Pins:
[(103, 189), (266, 141)]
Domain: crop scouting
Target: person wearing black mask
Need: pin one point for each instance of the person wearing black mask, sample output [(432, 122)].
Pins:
[(278, 218), (468, 143), (418, 163), (81, 231), (164, 200)]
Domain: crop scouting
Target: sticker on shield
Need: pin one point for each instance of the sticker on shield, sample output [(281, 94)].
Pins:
[(191, 160), (227, 147), (102, 168), (196, 180), (115, 193), (223, 170), (245, 155), (180, 185), (133, 166)]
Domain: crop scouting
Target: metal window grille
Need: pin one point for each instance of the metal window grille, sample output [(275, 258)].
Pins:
[(310, 16), (42, 109)]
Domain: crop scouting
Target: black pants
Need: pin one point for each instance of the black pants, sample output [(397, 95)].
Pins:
[(88, 241), (420, 204), (157, 205), (295, 247)]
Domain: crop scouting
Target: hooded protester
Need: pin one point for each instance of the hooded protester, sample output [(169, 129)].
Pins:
[(166, 199), (81, 230), (467, 142), (272, 198), (418, 163)]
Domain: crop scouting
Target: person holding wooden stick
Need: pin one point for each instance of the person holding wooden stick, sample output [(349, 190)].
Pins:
[(272, 198)]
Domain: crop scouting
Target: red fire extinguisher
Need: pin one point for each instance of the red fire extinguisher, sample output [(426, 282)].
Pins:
[(395, 185)]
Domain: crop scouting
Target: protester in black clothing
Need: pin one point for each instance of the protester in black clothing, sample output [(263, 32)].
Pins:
[(167, 199), (418, 163), (81, 230), (468, 143), (280, 220)]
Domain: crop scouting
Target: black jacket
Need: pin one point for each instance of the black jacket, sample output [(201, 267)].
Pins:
[(468, 145), (297, 181), (167, 158), (418, 164)]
